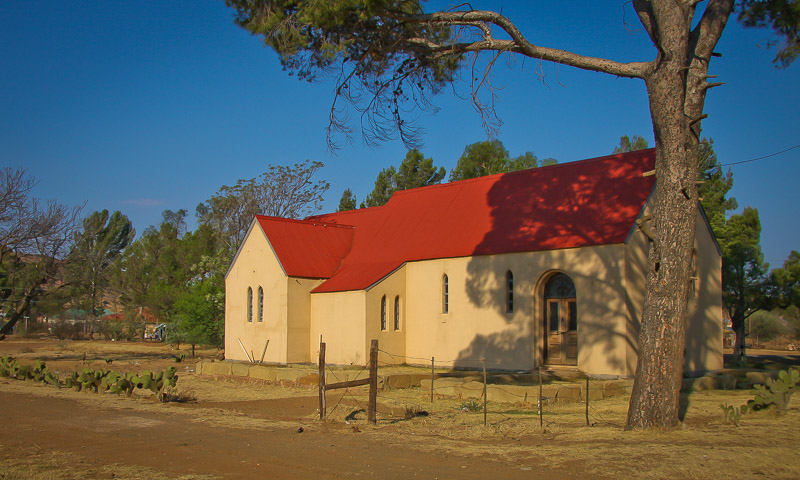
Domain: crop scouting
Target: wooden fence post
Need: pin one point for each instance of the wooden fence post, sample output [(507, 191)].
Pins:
[(433, 375), (587, 400), (373, 382), (322, 405), (541, 401), (264, 352), (485, 399)]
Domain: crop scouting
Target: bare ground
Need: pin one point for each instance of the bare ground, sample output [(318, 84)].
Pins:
[(242, 430)]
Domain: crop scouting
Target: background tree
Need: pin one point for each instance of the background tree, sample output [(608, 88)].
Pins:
[(34, 238), (414, 171), (713, 190), (792, 316), (385, 186), (198, 314), (151, 272), (417, 171), (787, 281), (765, 326), (348, 201), (177, 219), (490, 157), (627, 144), (389, 55), (199, 311), (88, 269), (744, 281), (783, 17), (281, 191), (158, 269)]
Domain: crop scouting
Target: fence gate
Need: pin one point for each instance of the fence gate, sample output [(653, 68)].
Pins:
[(372, 381)]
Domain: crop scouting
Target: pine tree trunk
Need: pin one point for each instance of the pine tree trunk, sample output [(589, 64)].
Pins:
[(740, 344), (676, 87), (655, 397)]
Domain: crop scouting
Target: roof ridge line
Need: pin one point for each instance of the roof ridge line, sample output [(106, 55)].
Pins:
[(518, 172), (305, 221)]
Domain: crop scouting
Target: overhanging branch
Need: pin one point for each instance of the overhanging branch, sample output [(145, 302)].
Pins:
[(518, 43)]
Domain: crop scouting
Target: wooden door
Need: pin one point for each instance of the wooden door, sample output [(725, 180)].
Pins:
[(555, 348), (561, 322), (570, 331)]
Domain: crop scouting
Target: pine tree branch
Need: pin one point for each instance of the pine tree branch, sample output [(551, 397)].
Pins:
[(518, 43)]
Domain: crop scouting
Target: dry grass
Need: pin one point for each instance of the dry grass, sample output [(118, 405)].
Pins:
[(222, 389), (764, 445), (39, 465)]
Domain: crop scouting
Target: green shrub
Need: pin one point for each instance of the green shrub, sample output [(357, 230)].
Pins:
[(471, 405)]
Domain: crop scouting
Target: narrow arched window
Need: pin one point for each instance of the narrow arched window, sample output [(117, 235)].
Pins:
[(397, 312), (260, 304), (509, 291), (695, 280), (383, 313), (249, 304), (445, 295)]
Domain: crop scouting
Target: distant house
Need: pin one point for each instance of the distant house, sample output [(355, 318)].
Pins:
[(542, 266)]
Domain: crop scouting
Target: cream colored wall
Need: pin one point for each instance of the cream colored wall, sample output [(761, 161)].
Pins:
[(635, 276), (704, 330), (477, 324), (339, 318), (256, 265), (299, 319), (703, 350), (389, 340)]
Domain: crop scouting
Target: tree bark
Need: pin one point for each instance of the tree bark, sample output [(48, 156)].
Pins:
[(676, 91), (740, 344), (21, 308)]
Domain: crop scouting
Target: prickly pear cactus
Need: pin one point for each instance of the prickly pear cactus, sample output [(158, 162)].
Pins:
[(776, 392), (6, 364), (74, 382), (93, 380)]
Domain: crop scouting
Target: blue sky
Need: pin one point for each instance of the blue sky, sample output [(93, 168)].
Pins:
[(146, 106)]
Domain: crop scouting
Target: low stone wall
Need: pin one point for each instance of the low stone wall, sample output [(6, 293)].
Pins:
[(729, 380), (464, 385), (506, 393), (504, 388), (270, 373)]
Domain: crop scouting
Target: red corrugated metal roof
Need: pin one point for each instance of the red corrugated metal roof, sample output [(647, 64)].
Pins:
[(591, 202), (309, 249)]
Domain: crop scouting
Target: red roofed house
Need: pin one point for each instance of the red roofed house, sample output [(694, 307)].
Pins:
[(541, 266)]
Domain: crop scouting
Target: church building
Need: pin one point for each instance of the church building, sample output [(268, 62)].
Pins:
[(537, 267)]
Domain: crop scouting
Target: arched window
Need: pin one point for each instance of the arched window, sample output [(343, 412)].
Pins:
[(249, 304), (383, 313), (260, 304), (509, 291), (695, 279), (397, 312), (445, 295)]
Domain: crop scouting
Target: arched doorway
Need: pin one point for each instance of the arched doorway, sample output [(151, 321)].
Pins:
[(560, 321)]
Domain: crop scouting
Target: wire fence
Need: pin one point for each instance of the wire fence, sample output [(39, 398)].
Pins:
[(345, 376), (530, 399)]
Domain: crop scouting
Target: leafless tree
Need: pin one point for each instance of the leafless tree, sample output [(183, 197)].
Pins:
[(34, 238)]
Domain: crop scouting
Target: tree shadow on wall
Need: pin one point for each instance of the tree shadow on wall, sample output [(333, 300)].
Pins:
[(574, 208), (555, 211)]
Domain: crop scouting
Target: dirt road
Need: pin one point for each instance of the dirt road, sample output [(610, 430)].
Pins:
[(180, 445)]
